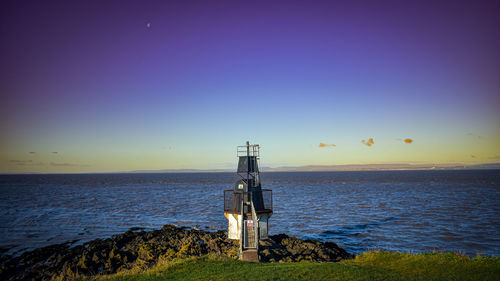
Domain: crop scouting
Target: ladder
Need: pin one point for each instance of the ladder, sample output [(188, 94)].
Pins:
[(249, 247)]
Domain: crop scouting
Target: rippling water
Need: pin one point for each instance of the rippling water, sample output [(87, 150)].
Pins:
[(410, 211)]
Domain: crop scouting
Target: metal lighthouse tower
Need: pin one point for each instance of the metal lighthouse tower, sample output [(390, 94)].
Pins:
[(247, 206)]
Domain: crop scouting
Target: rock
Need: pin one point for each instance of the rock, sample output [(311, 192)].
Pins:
[(284, 248), (137, 247)]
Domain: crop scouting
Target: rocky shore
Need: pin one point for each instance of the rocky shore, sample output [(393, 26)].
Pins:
[(143, 249)]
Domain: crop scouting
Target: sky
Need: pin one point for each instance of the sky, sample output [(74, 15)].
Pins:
[(105, 86)]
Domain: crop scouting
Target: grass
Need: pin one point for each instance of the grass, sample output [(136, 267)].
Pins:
[(367, 266)]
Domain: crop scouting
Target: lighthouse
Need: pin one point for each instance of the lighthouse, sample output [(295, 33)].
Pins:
[(247, 206)]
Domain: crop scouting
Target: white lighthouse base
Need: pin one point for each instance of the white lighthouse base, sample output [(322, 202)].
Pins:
[(235, 225)]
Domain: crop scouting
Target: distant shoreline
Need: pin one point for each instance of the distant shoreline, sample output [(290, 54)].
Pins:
[(309, 168)]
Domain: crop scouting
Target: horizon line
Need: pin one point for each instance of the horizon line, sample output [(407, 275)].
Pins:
[(304, 168)]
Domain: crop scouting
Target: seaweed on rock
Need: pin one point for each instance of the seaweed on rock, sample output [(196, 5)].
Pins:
[(143, 249)]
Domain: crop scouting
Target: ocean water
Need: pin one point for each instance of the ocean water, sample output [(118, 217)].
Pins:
[(411, 211)]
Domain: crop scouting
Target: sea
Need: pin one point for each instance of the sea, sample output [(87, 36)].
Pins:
[(401, 211)]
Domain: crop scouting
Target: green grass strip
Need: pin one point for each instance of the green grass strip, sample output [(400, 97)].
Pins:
[(367, 266)]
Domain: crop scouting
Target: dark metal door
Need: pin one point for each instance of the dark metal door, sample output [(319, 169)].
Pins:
[(248, 234)]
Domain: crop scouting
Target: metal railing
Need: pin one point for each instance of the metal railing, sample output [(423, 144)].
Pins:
[(263, 203), (253, 150)]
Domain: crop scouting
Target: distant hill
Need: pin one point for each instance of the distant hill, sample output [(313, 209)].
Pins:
[(182, 171), (316, 168), (325, 168), (382, 167)]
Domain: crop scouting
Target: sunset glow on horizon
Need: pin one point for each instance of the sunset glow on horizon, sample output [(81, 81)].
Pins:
[(111, 86)]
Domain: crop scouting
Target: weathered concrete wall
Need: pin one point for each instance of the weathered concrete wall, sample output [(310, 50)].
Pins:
[(234, 227)]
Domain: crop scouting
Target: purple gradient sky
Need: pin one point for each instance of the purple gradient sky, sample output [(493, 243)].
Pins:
[(93, 82)]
